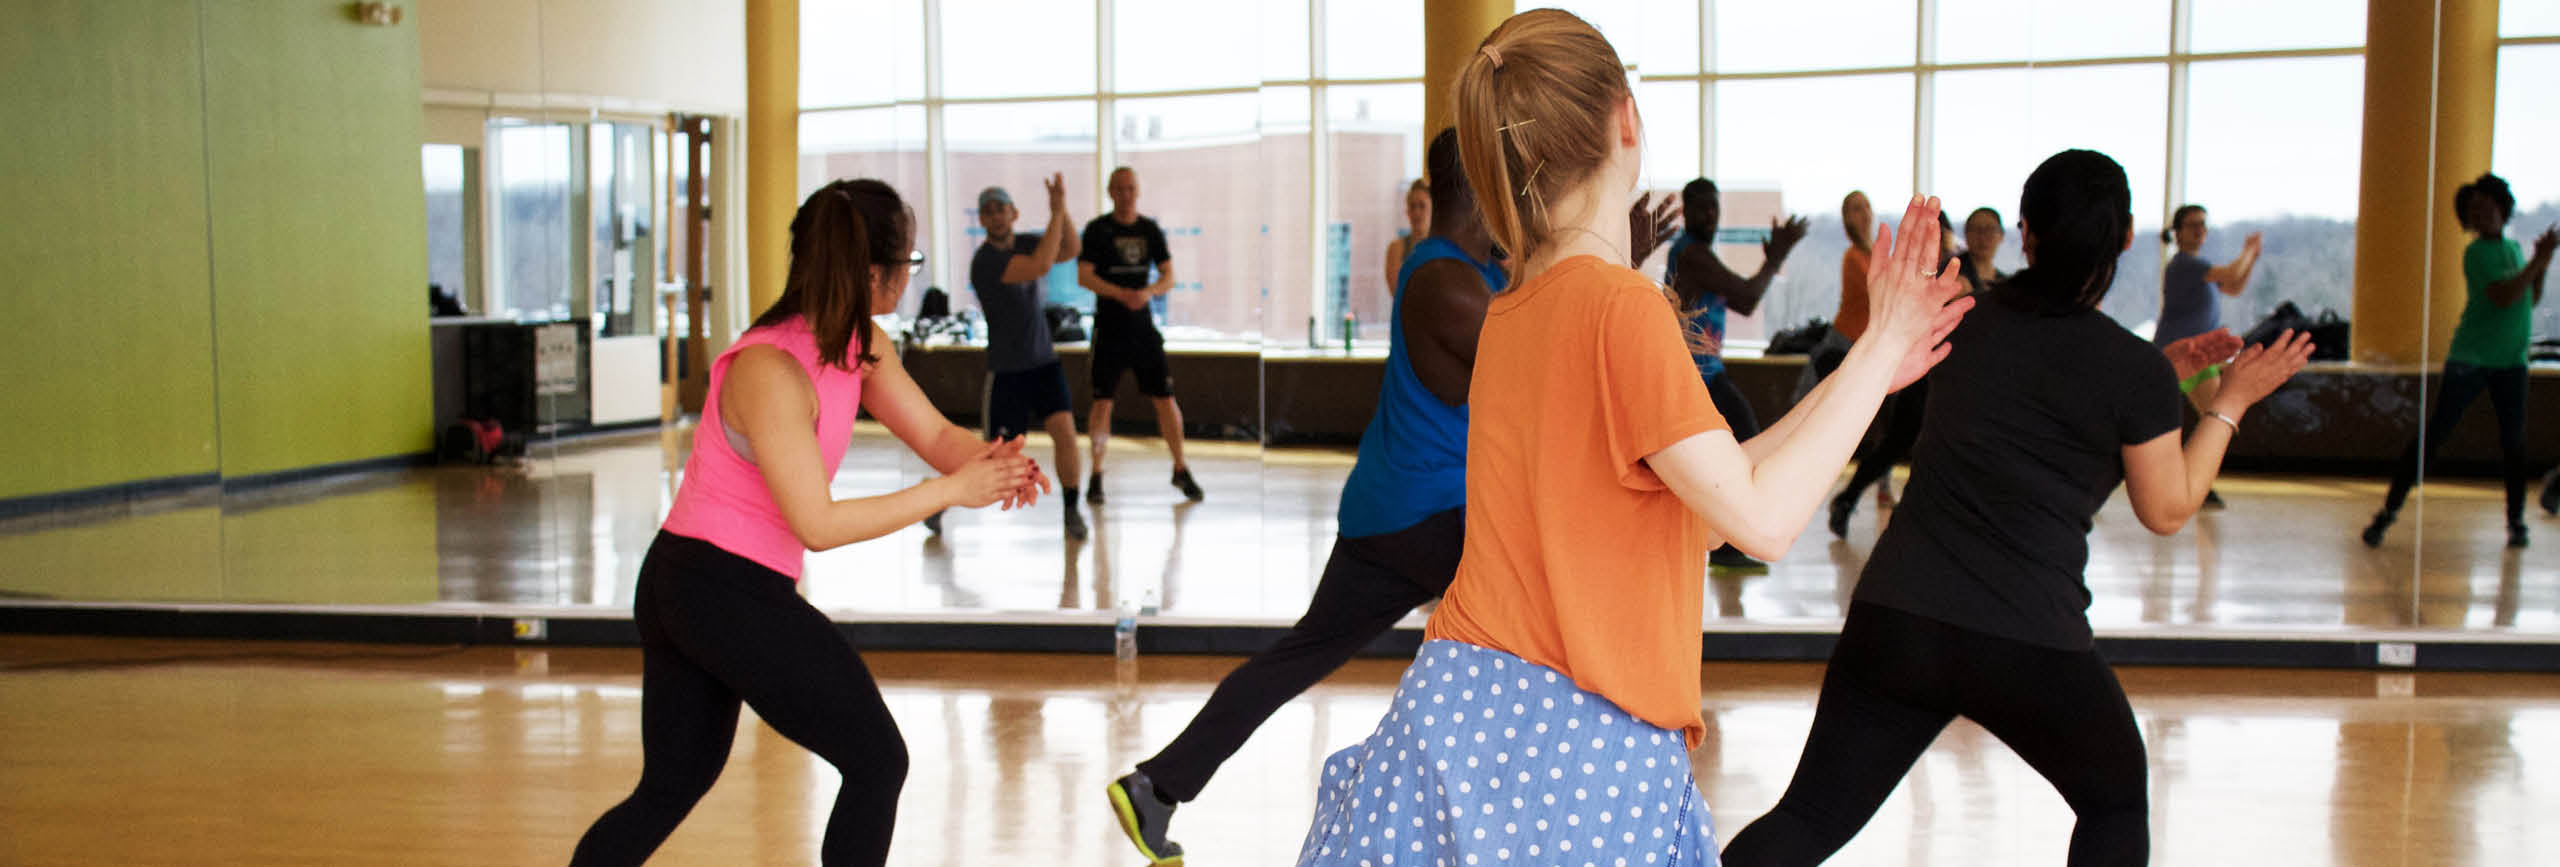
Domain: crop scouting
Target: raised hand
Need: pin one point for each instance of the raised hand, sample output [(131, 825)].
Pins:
[(998, 473), (1782, 237), (1927, 353), (2201, 351), (2543, 243), (1056, 184), (1908, 287), (2260, 370), (1649, 226)]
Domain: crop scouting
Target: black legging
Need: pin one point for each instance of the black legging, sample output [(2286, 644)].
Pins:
[(716, 628), (1899, 428), (1369, 583), (1896, 679), (2463, 383)]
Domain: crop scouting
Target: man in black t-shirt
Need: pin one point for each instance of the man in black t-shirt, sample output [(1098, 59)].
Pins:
[(1025, 385), (1126, 265)]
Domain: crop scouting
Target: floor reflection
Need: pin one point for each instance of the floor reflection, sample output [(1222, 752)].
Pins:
[(492, 755), (569, 525)]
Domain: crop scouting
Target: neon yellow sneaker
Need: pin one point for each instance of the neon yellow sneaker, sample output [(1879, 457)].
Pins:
[(1143, 817)]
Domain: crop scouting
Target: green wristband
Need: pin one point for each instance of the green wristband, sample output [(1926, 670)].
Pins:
[(2188, 385)]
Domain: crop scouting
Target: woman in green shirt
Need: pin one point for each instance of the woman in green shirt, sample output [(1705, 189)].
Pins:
[(2488, 352)]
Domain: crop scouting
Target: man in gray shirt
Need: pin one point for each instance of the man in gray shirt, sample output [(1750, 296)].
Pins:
[(1025, 385)]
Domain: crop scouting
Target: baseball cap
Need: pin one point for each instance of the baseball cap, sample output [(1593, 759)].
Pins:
[(994, 194)]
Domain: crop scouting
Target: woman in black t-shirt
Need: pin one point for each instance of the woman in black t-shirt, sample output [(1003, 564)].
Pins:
[(1973, 603)]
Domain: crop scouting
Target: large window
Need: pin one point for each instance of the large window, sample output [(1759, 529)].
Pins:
[(1193, 157), (2525, 145), (2261, 25), (1016, 146), (1811, 35), (1768, 143), (448, 228), (1377, 155), (1971, 31), (887, 143), (1275, 144), (2250, 107), (1992, 126), (995, 48), (2285, 167), (863, 52), (1224, 141), (533, 223)]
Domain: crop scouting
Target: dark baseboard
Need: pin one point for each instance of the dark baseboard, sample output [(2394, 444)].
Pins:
[(2453, 654), (592, 431), (120, 494), (261, 481)]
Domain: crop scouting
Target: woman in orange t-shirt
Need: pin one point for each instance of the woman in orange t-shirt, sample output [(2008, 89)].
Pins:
[(1849, 320), (1549, 713), (1858, 218)]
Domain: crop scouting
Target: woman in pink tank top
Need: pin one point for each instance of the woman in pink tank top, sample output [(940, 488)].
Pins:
[(718, 606)]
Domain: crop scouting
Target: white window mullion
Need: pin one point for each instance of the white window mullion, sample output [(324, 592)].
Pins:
[(1924, 93), (937, 165), (2173, 187), (1106, 140), (1707, 88), (1319, 168)]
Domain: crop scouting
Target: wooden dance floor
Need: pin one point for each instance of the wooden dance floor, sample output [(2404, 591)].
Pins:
[(148, 751)]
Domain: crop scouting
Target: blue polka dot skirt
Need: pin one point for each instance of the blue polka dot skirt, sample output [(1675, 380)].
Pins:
[(1487, 759)]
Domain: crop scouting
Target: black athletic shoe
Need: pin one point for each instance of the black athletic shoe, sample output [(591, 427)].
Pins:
[(2213, 500), (1182, 479), (1841, 508), (1093, 489), (2515, 536), (1731, 559), (2373, 531), (2551, 493), (933, 523), (1143, 818), (1075, 524)]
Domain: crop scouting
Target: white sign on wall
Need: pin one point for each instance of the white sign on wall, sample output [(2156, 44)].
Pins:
[(555, 359)]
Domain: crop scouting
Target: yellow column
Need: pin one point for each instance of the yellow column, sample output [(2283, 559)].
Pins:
[(2419, 69), (1451, 30), (773, 144)]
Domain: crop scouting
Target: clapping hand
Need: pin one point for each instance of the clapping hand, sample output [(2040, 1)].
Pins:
[(1782, 238), (1000, 474), (1649, 226), (1913, 301), (2260, 370), (1056, 184), (2196, 353)]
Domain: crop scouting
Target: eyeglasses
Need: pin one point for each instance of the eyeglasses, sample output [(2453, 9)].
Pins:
[(915, 262)]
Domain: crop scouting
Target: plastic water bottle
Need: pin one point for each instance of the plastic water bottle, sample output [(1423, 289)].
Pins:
[(1124, 633)]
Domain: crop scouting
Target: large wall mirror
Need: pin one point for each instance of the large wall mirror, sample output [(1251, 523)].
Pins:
[(262, 437)]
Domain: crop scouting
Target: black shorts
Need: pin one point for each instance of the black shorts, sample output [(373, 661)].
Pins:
[(1143, 357), (1021, 401)]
